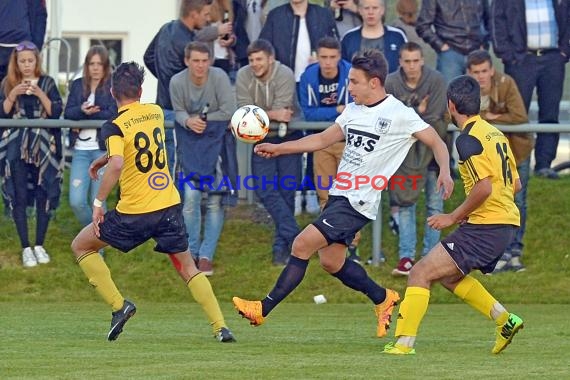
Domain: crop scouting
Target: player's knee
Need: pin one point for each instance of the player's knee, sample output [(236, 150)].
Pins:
[(299, 248)]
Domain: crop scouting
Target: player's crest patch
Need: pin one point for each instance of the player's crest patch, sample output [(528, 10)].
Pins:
[(382, 125)]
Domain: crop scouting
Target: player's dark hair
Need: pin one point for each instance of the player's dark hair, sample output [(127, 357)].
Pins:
[(261, 45), (477, 57), (187, 6), (373, 63), (465, 93), (411, 46), (127, 80), (329, 42), (198, 46)]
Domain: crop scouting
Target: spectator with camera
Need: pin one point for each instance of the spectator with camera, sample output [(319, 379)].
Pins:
[(203, 107), (30, 158)]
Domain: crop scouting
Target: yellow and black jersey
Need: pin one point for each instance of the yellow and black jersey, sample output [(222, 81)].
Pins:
[(485, 152), (137, 135)]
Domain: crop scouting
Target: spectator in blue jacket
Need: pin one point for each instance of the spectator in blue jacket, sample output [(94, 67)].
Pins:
[(89, 99), (373, 34), (21, 21)]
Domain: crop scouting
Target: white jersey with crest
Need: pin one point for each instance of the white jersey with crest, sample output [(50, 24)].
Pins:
[(378, 139)]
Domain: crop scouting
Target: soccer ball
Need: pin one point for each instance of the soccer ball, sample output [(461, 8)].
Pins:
[(250, 124)]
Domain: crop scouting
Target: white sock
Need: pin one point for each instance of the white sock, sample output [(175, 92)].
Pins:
[(497, 310)]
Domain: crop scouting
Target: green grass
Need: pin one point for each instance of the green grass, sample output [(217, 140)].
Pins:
[(243, 261), (299, 341)]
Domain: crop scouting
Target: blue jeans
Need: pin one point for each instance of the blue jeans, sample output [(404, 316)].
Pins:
[(434, 205), (170, 142), (278, 200), (516, 246), (546, 73), (451, 64), (213, 222), (82, 189)]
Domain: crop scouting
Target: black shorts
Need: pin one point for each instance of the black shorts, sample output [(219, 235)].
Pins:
[(339, 222), (478, 246), (127, 231)]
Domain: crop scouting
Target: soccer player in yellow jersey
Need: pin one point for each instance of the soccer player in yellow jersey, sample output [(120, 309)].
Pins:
[(149, 206), (487, 220)]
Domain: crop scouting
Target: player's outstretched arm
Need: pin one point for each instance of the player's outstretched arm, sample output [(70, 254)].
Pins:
[(308, 143), (430, 137)]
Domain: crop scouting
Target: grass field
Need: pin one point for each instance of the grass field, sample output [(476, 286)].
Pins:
[(299, 341), (54, 325)]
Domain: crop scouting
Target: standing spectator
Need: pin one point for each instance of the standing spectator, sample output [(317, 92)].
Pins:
[(407, 19), (423, 89), (501, 103), (21, 21), (373, 34), (149, 207), (294, 30), (270, 85), (200, 143), (453, 28), (30, 158), (89, 99), (346, 15), (323, 95), (533, 40), (222, 47), (164, 56)]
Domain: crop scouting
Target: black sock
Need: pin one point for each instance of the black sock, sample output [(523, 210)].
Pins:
[(290, 277), (355, 277)]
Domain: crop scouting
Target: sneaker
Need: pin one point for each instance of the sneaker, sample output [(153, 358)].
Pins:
[(280, 258), (224, 335), (353, 253), (515, 264), (28, 258), (404, 266), (41, 254), (298, 203), (501, 266), (394, 227), (506, 332), (384, 312), (250, 310), (120, 317), (312, 202), (398, 349), (547, 173), (205, 266), (382, 259)]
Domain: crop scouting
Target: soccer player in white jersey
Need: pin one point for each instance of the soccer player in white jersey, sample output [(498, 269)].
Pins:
[(379, 130)]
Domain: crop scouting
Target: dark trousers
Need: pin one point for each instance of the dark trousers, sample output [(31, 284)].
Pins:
[(20, 174), (276, 181), (546, 73)]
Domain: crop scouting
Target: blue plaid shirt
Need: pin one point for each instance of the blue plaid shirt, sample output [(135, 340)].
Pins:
[(542, 30)]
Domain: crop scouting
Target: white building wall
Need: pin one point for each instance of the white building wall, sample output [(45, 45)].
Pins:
[(134, 21)]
